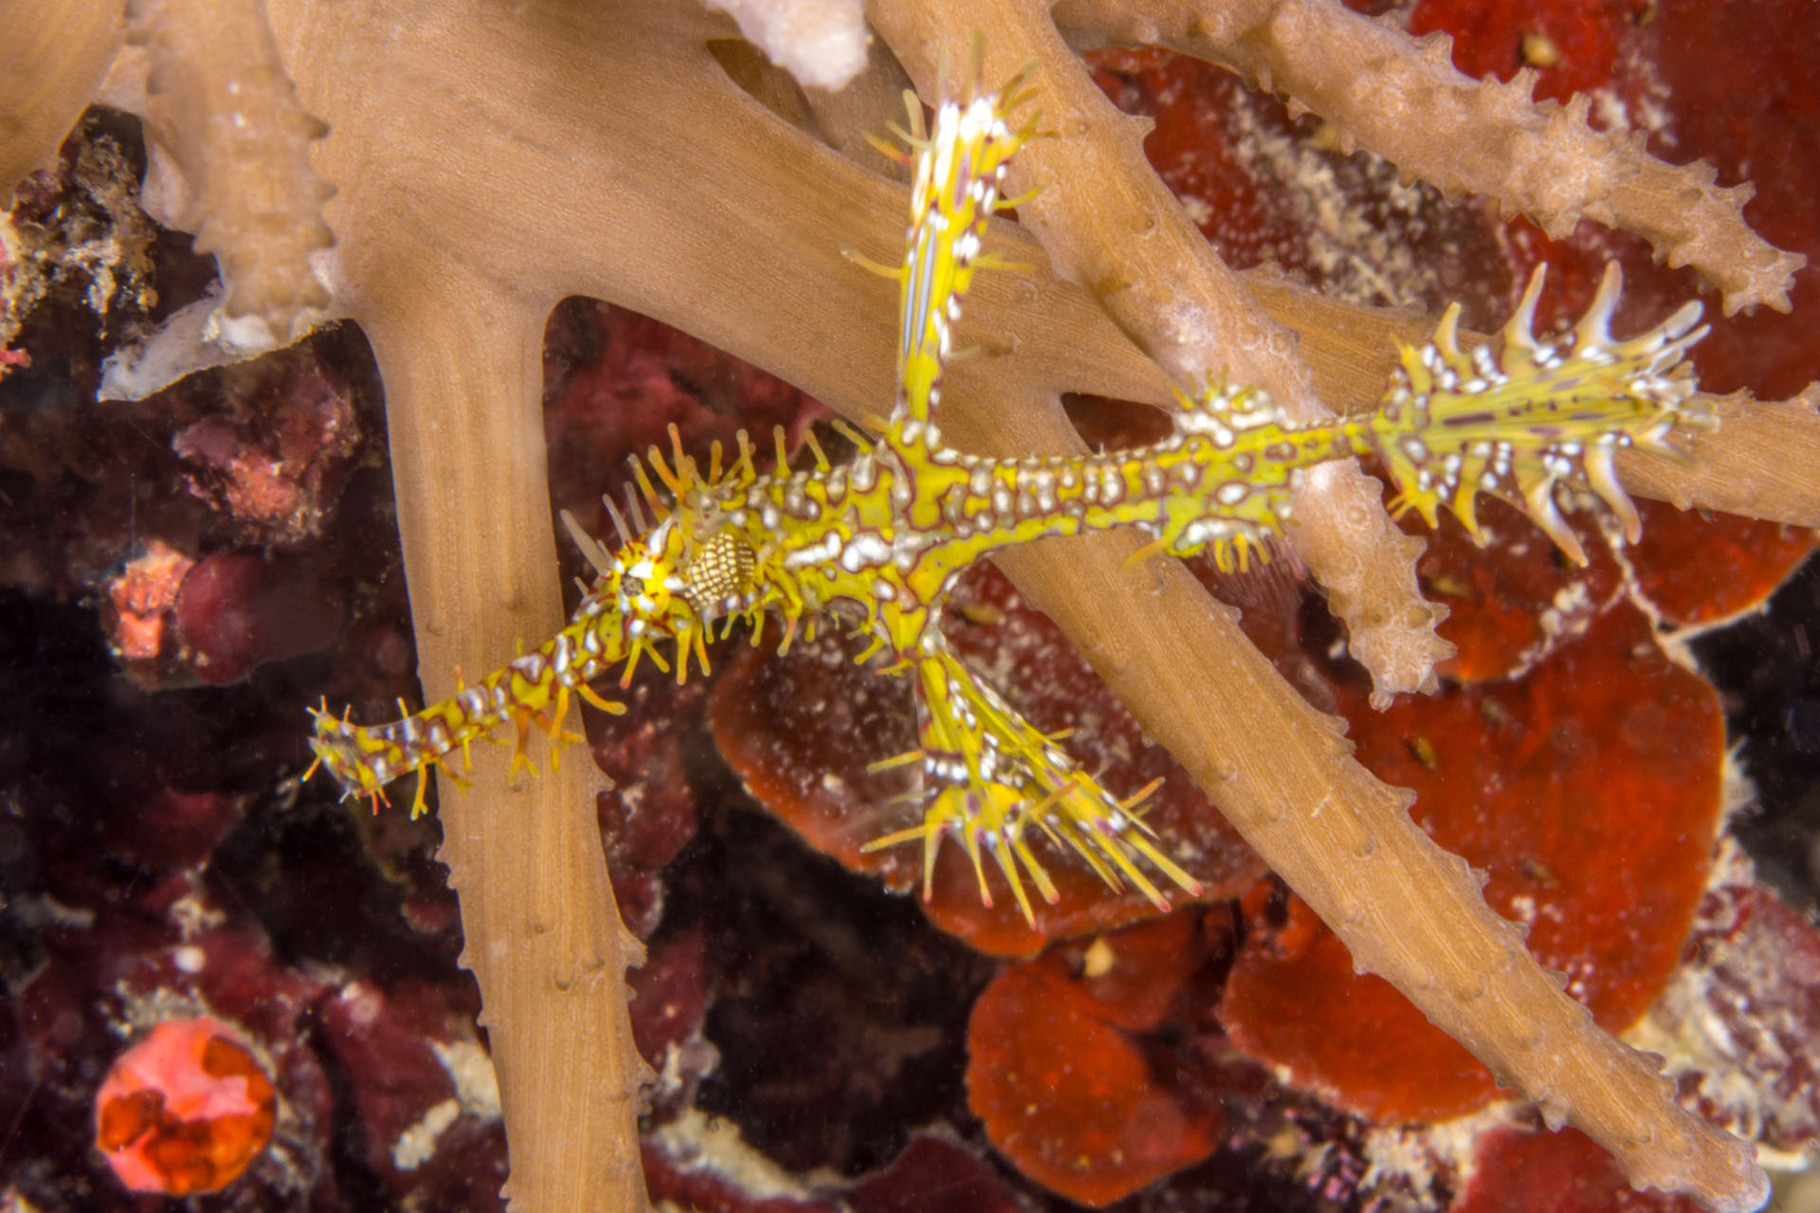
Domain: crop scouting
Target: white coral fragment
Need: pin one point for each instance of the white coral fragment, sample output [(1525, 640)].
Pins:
[(820, 42), (195, 338)]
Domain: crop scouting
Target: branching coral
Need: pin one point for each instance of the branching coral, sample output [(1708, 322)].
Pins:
[(494, 162), (1422, 114), (218, 101)]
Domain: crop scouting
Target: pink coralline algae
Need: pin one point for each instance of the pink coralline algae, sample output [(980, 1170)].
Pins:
[(277, 455), (1746, 1004), (142, 596)]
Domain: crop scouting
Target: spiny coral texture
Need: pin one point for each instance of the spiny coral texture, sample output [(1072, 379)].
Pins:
[(220, 105), (1437, 124), (600, 115)]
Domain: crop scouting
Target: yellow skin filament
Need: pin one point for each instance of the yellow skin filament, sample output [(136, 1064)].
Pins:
[(879, 541)]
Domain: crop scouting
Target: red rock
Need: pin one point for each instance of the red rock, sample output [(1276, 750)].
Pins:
[(1573, 43), (679, 1175), (800, 731), (617, 380), (1510, 603), (1521, 1171), (1134, 975), (934, 1175), (422, 1091), (1743, 95), (669, 995), (1729, 82), (649, 813), (276, 455), (1294, 1001), (1738, 562), (1513, 601), (1601, 765), (669, 1006), (237, 611), (172, 829), (142, 596), (1254, 182)]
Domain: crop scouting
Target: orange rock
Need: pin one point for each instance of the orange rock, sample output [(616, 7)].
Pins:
[(1066, 1087), (1293, 1000), (1513, 602), (1741, 562)]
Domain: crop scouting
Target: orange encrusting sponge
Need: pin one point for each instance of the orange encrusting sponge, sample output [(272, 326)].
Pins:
[(185, 1110)]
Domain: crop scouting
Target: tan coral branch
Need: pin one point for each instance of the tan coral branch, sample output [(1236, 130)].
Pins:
[(1126, 239), (1759, 463), (543, 935), (1407, 102)]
